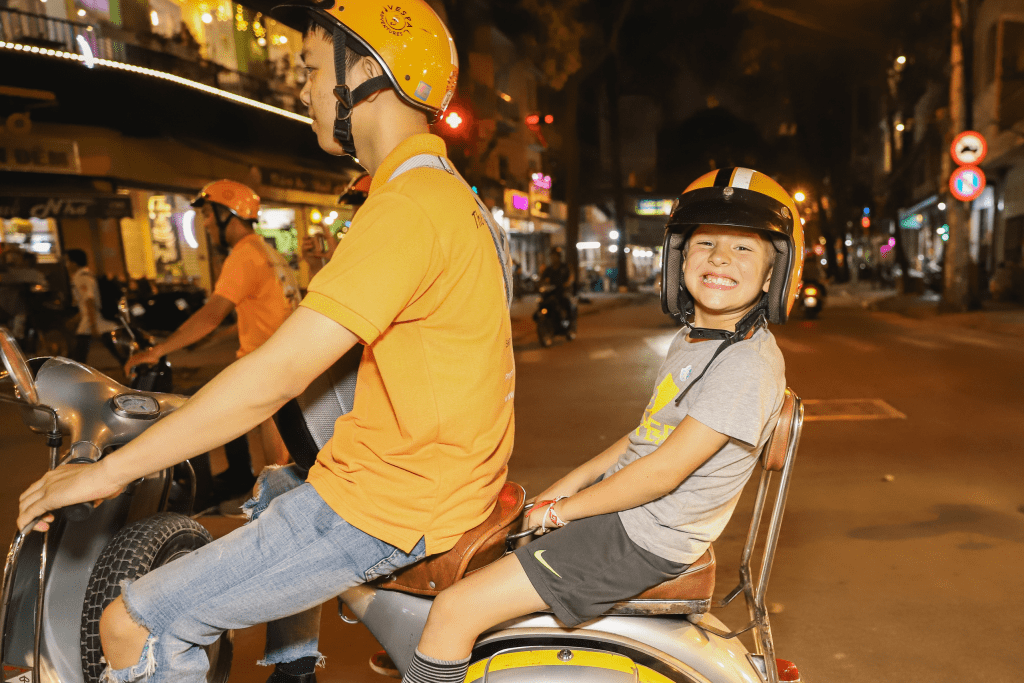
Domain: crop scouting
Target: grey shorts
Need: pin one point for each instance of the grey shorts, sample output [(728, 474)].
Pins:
[(585, 567)]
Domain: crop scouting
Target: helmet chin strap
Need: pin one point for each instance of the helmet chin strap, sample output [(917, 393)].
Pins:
[(755, 319), (348, 98), (221, 216)]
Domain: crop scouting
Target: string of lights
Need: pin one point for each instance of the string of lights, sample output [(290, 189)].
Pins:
[(90, 61)]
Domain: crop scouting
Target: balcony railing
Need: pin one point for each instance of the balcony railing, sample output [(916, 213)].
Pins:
[(149, 51)]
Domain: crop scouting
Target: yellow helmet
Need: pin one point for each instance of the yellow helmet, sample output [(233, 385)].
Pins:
[(744, 198), (410, 42), (406, 37)]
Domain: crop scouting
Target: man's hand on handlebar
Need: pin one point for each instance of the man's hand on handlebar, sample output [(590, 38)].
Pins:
[(147, 357), (67, 485)]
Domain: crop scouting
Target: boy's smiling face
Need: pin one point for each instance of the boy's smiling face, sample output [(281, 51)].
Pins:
[(726, 270)]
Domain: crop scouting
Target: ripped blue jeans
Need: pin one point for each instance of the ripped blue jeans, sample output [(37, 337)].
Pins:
[(294, 555)]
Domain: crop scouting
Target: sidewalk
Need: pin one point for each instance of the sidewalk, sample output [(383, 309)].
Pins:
[(995, 317)]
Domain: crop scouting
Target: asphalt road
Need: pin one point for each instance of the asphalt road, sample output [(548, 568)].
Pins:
[(903, 539)]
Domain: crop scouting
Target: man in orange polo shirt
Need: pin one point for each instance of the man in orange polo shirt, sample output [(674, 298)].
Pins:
[(257, 283), (423, 279)]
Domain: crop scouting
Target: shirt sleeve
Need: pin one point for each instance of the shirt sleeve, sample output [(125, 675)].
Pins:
[(237, 279), (389, 259), (740, 393)]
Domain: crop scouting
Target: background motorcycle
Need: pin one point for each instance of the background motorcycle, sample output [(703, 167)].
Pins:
[(76, 567), (812, 298), (553, 317)]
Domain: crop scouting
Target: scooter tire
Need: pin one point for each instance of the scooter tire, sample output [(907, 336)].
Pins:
[(545, 335), (134, 551)]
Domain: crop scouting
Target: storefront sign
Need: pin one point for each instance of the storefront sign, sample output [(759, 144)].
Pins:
[(115, 206), (39, 155), (165, 237), (653, 207), (307, 182), (517, 204)]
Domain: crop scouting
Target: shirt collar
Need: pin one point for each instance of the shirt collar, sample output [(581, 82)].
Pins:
[(421, 143)]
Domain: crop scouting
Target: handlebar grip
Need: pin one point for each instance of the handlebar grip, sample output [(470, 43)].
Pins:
[(79, 512)]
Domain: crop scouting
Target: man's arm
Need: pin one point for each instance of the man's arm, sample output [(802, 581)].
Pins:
[(200, 324), (245, 394), (650, 477)]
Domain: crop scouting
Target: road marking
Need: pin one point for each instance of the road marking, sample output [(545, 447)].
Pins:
[(922, 343), (853, 343), (792, 346), (974, 341), (816, 410), (602, 354)]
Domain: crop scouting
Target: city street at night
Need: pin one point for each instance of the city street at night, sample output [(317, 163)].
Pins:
[(903, 537)]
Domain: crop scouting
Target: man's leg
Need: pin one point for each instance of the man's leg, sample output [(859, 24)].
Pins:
[(285, 562)]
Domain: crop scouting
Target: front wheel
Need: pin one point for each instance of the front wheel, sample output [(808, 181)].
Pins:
[(136, 550), (570, 332), (545, 333)]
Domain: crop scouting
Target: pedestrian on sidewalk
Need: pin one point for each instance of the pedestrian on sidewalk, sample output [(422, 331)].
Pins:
[(86, 294)]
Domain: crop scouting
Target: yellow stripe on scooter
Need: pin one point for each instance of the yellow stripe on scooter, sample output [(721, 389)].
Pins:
[(521, 659)]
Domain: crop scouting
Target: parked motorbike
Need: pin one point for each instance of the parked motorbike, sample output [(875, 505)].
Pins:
[(665, 635), (553, 317), (77, 566), (812, 298)]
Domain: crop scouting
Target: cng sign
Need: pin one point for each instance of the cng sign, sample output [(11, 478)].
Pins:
[(967, 182), (969, 148)]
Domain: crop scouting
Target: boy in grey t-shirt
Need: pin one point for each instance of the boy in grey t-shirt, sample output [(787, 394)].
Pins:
[(649, 505)]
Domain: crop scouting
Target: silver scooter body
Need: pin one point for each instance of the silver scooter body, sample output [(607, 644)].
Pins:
[(93, 416), (690, 652)]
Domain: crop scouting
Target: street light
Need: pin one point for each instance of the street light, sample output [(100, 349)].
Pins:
[(901, 60), (799, 196), (942, 206), (613, 234), (900, 127)]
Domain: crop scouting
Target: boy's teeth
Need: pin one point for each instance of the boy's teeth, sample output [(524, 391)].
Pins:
[(719, 280)]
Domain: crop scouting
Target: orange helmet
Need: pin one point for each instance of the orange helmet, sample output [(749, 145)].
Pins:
[(235, 197), (408, 40), (743, 198)]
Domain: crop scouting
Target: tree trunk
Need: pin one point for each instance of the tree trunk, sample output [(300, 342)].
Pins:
[(955, 275), (618, 191), (571, 161)]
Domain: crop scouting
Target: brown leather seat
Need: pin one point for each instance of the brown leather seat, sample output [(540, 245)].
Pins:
[(688, 593), (477, 548)]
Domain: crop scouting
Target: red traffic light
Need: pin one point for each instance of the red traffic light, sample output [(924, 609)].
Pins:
[(453, 120)]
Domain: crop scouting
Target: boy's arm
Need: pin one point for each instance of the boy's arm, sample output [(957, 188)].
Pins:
[(587, 473), (647, 478)]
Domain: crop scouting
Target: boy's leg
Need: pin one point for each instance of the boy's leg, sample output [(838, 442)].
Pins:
[(497, 593), (297, 555)]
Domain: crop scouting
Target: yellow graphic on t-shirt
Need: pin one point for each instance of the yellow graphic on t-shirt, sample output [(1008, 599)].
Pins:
[(650, 430)]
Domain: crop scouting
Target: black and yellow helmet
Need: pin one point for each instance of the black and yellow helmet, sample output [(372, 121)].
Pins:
[(742, 198)]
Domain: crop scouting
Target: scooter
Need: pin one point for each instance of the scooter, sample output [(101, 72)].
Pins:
[(551, 317), (76, 567), (664, 634), (812, 298)]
